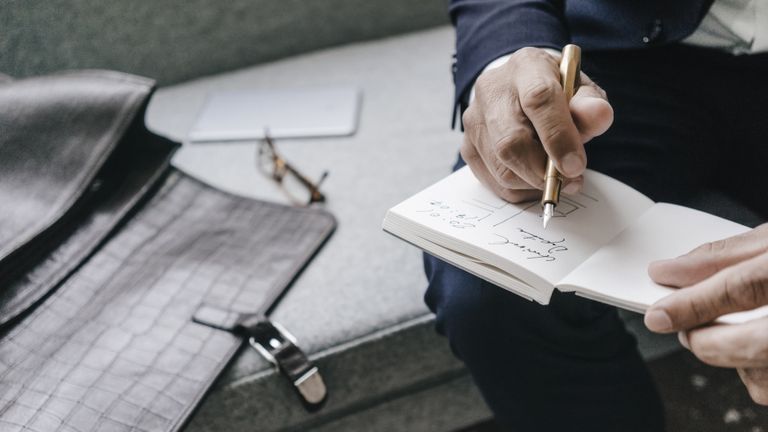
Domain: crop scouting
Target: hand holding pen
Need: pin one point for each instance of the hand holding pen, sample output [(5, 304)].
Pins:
[(570, 73), (520, 118)]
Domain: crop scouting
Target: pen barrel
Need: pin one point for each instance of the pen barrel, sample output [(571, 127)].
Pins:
[(570, 70), (570, 74), (552, 183)]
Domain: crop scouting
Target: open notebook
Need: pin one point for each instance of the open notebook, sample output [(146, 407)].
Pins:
[(598, 245)]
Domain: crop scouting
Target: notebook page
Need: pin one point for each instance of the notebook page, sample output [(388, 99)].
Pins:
[(618, 272), (459, 213)]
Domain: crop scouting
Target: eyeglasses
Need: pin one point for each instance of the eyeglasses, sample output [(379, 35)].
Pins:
[(299, 189)]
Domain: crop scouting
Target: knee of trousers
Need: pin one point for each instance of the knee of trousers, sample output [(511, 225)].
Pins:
[(469, 311)]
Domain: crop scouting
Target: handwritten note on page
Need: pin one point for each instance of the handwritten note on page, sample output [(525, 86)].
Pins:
[(461, 214)]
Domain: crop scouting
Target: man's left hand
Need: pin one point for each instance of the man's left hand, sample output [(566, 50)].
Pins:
[(719, 278)]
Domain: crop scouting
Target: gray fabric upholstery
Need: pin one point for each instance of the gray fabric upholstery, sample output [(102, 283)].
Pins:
[(363, 280), (442, 407), (174, 40), (358, 308), (394, 367)]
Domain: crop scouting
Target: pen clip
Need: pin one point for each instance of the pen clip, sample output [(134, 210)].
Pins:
[(570, 70)]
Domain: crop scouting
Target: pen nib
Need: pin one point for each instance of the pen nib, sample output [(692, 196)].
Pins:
[(549, 210)]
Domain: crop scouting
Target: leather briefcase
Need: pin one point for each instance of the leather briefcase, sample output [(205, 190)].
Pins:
[(106, 255)]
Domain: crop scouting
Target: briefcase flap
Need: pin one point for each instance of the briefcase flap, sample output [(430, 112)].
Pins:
[(62, 137)]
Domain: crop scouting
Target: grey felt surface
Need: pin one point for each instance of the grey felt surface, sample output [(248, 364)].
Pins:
[(174, 40), (358, 308), (363, 280), (446, 406), (385, 368)]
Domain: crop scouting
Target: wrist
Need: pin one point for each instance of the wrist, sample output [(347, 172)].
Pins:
[(499, 61)]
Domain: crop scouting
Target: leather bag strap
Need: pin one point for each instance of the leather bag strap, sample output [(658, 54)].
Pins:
[(275, 344)]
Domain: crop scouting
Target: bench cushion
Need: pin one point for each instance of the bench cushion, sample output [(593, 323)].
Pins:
[(175, 40), (358, 308)]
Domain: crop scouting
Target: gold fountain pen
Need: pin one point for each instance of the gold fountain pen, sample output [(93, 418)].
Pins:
[(570, 71)]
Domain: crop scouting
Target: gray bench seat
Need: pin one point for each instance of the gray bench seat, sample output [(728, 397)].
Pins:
[(358, 308)]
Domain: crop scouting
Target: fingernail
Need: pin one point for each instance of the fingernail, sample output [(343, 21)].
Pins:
[(572, 188), (572, 165), (657, 320), (683, 338)]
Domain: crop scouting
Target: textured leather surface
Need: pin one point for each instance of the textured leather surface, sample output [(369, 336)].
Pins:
[(126, 249), (101, 208), (73, 120), (65, 180), (114, 347)]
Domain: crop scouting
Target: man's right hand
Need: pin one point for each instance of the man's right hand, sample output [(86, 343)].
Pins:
[(519, 117)]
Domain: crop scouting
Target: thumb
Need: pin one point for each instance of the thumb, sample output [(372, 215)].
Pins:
[(591, 111), (709, 258), (741, 287)]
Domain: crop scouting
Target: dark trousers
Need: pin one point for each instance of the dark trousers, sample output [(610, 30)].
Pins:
[(691, 127)]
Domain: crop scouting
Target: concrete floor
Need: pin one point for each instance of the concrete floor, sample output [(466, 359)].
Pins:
[(698, 398)]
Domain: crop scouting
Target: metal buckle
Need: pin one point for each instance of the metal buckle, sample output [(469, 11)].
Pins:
[(276, 340), (310, 384)]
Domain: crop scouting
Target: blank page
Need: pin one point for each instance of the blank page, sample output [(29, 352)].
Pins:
[(618, 273)]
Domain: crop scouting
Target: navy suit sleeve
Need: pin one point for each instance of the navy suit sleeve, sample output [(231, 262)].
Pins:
[(488, 29)]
